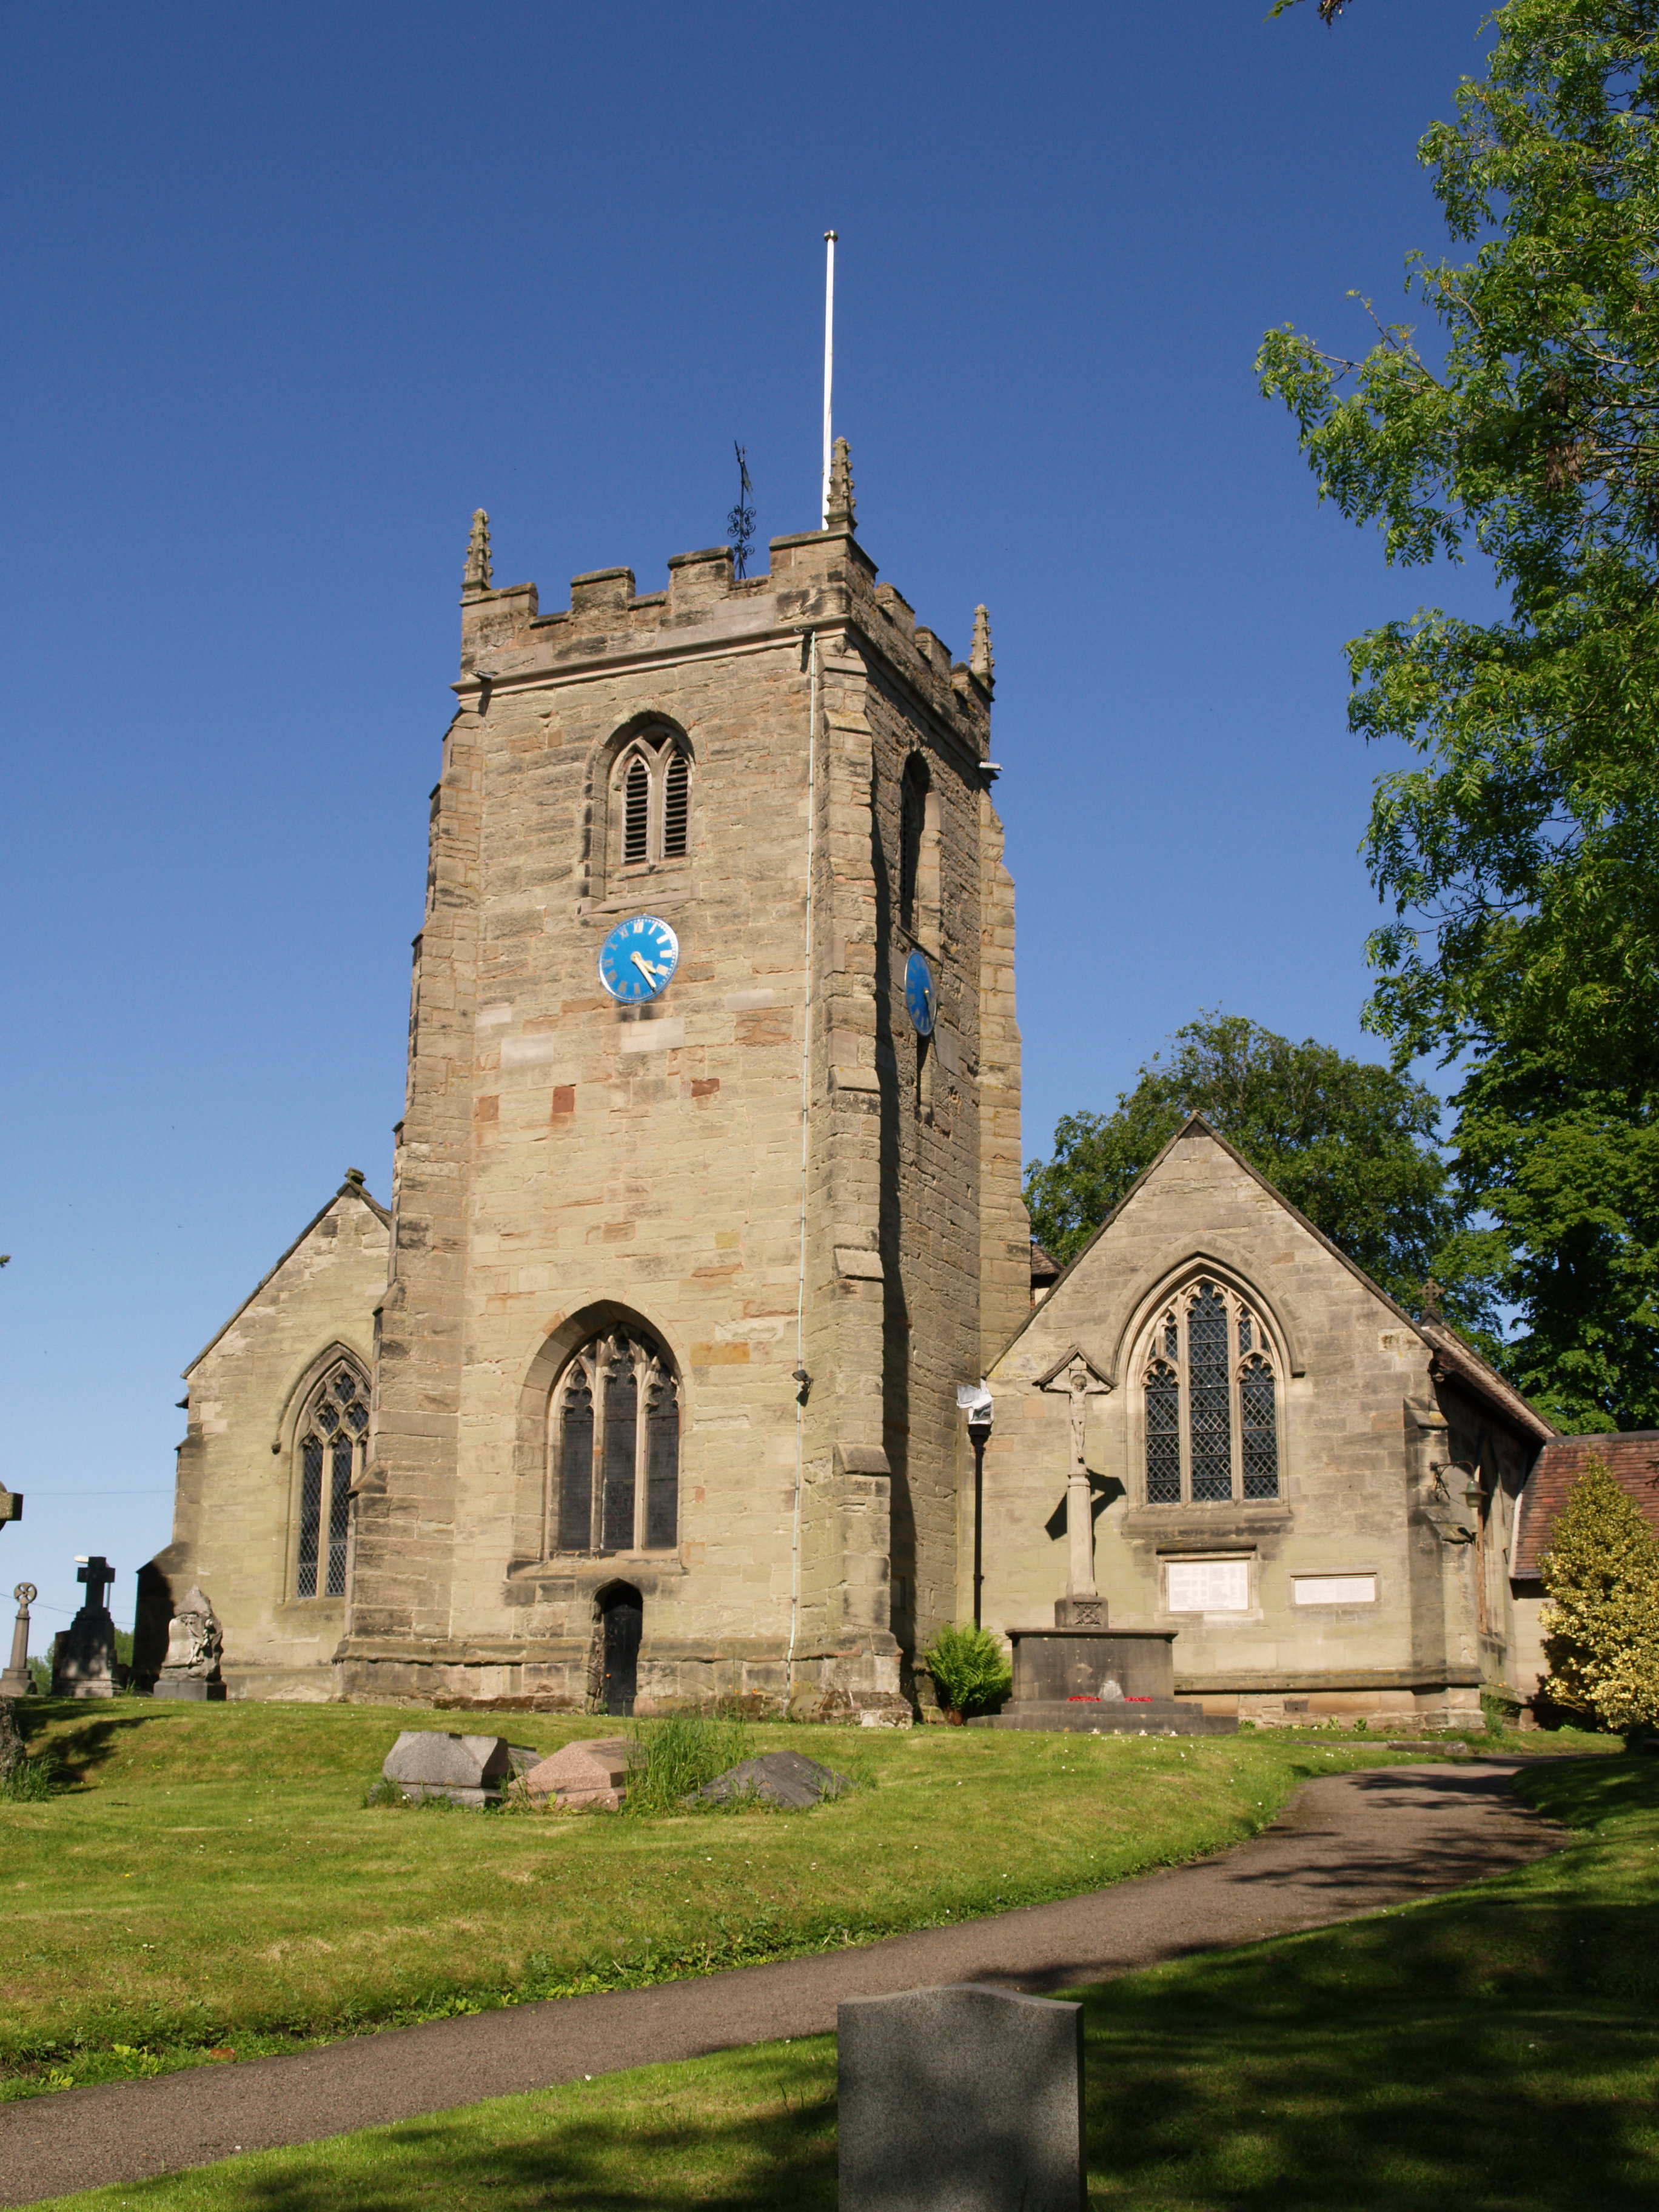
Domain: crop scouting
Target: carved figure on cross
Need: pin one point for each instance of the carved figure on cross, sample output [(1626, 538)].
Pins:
[(1080, 1382), (97, 1574)]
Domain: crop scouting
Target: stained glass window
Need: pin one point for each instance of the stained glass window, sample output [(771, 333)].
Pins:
[(614, 1448), (331, 1432)]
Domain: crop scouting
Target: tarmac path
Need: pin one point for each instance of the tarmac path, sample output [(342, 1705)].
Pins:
[(1347, 1844)]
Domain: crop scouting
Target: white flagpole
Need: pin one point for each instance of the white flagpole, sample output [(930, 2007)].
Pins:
[(829, 362)]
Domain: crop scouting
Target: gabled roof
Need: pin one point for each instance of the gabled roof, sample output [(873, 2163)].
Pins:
[(1457, 1362), (1442, 1343), (353, 1187), (1633, 1457)]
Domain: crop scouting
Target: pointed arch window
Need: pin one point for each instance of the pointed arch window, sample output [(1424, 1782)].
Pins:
[(1210, 1400), (652, 786), (919, 841), (614, 1447), (332, 1436)]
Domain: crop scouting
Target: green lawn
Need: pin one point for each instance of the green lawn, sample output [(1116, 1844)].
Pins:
[(211, 1879), (1495, 2051)]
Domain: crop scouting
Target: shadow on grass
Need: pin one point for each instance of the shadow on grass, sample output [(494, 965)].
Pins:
[(78, 1751), (749, 2132), (1495, 2051)]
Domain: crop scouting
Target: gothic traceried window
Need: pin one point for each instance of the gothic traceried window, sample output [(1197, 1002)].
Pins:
[(1210, 1400), (332, 1438), (651, 784), (614, 1448)]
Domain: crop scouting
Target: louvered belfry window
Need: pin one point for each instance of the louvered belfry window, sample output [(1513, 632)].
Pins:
[(653, 787), (614, 1448), (636, 819), (1209, 1400), (675, 804), (913, 811), (332, 1436)]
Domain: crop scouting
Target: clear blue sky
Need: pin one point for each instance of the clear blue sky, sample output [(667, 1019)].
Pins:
[(288, 291)]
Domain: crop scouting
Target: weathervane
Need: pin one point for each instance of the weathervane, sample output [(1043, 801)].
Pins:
[(740, 523)]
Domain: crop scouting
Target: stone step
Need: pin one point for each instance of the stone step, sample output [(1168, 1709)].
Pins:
[(1115, 1717)]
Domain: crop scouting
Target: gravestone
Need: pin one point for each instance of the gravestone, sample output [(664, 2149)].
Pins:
[(776, 1778), (590, 1775), (195, 1641), (83, 1657), (468, 1769), (961, 2098), (16, 1682)]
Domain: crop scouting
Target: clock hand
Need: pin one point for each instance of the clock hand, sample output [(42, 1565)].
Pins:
[(644, 967)]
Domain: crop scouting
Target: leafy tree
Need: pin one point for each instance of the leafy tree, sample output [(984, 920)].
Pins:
[(1602, 1618), (1348, 1142), (1520, 851), (1569, 1178)]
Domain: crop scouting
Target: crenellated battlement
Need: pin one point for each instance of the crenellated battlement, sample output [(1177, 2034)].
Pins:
[(818, 580)]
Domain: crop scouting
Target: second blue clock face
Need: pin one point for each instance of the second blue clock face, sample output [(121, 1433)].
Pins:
[(638, 959), (921, 999)]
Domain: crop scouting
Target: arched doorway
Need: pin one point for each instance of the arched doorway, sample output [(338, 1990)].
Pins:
[(622, 1619)]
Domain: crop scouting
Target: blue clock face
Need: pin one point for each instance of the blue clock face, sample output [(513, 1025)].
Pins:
[(921, 998), (638, 959)]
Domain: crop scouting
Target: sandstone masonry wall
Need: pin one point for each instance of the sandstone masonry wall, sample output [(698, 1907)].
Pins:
[(236, 1503), (565, 1164)]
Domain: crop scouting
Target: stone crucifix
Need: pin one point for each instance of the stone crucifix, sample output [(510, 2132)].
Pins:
[(1080, 1383), (97, 1574)]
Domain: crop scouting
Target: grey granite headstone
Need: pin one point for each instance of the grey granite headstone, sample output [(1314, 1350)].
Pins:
[(468, 1769), (961, 2098), (83, 1655), (776, 1778)]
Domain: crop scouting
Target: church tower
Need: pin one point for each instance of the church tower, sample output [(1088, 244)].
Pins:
[(707, 1193)]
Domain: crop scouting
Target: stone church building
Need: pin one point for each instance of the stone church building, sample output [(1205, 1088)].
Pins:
[(706, 1202)]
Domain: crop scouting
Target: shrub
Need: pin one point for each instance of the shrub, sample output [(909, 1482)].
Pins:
[(680, 1755), (1601, 1620), (970, 1669)]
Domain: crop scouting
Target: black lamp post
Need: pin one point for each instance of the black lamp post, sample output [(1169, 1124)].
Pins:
[(975, 1399)]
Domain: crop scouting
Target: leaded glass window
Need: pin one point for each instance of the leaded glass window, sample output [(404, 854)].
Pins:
[(614, 1448), (1210, 1396), (1162, 1434), (652, 795), (1210, 1400), (1258, 1429), (332, 1436)]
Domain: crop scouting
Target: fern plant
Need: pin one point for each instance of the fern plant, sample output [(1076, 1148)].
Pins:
[(970, 1669)]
